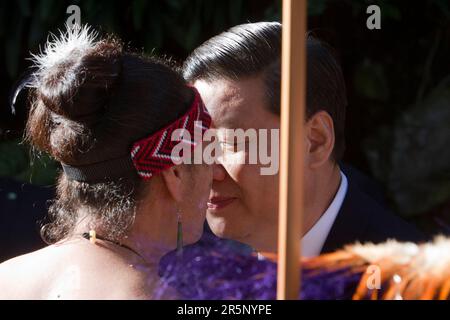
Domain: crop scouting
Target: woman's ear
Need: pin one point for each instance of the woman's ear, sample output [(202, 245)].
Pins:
[(173, 178), (321, 139)]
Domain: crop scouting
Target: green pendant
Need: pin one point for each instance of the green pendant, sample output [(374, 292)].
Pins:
[(180, 239)]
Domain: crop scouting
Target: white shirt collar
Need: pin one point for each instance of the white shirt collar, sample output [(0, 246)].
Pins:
[(314, 239)]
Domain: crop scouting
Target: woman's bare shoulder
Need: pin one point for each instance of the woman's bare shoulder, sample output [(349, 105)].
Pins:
[(23, 272), (10, 278), (74, 272)]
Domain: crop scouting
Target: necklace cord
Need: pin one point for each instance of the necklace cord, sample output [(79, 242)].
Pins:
[(87, 236)]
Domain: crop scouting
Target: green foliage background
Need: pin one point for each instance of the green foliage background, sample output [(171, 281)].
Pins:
[(397, 77)]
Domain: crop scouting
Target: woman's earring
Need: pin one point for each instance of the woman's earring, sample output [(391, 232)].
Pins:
[(179, 235)]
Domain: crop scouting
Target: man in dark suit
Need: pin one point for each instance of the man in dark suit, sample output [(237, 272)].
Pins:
[(362, 218), (238, 75)]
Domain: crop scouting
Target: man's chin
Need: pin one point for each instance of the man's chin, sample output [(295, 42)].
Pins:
[(225, 229)]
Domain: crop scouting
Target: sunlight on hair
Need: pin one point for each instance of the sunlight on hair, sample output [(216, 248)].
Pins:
[(59, 48)]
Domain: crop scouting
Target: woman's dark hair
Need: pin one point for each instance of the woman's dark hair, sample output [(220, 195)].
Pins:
[(254, 49), (91, 100)]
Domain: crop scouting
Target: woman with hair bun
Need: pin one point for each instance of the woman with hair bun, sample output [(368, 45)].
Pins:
[(108, 116)]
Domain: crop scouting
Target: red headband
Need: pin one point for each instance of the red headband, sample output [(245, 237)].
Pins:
[(153, 154)]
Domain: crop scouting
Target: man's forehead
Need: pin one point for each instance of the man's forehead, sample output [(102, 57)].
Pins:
[(232, 104)]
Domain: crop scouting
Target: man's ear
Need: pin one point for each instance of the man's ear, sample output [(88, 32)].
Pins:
[(173, 179), (320, 139)]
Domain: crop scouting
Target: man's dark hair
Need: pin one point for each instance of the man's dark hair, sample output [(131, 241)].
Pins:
[(254, 49)]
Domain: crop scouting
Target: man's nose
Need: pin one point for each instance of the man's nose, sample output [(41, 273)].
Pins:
[(219, 172)]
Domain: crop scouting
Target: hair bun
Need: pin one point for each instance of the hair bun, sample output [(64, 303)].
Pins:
[(76, 73)]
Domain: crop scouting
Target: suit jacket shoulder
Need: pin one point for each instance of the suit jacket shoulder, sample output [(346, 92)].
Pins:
[(362, 219)]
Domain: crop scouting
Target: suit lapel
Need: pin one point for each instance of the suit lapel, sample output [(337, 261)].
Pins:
[(351, 222)]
